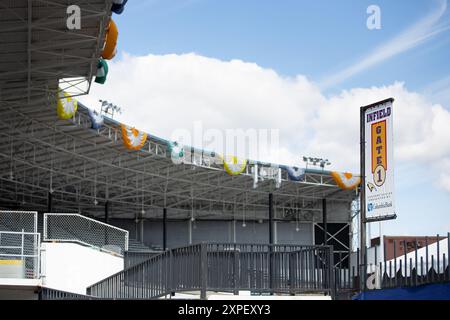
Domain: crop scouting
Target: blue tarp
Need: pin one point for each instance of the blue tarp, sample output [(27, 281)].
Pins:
[(437, 291)]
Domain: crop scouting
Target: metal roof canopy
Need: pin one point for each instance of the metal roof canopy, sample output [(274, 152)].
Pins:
[(38, 50), (84, 168)]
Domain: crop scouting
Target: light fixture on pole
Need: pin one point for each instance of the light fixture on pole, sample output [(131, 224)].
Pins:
[(316, 162), (109, 108)]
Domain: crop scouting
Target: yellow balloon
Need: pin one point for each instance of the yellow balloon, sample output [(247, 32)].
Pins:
[(234, 166), (66, 106)]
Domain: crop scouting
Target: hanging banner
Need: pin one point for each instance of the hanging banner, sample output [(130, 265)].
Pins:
[(379, 159)]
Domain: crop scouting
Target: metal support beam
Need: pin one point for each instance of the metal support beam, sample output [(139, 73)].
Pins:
[(107, 211), (362, 211), (270, 218), (325, 224), (50, 202), (164, 229), (270, 242)]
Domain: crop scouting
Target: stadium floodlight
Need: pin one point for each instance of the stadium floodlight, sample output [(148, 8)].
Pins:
[(316, 162), (109, 108)]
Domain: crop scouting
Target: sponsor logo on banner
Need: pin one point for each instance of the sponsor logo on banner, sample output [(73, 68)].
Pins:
[(379, 166)]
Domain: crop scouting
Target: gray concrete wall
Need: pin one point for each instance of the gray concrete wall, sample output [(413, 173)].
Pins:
[(178, 232)]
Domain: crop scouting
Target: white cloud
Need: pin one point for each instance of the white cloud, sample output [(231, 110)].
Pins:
[(160, 94), (444, 176), (417, 34)]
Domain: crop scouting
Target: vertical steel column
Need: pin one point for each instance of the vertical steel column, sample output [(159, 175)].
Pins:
[(107, 211), (448, 255), (362, 208), (203, 270), (331, 278), (270, 218), (270, 241), (106, 220), (50, 202), (164, 229), (325, 224)]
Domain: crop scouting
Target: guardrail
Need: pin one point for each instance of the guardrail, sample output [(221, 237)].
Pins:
[(204, 267), (53, 294), (68, 227), (134, 258), (19, 255), (422, 265)]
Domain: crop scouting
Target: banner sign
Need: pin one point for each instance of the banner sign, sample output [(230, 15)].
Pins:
[(379, 160)]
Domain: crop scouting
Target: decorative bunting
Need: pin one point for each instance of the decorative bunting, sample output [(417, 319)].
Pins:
[(346, 180), (97, 120), (295, 174), (102, 71), (118, 6), (176, 151), (66, 106), (132, 138), (109, 51), (234, 166)]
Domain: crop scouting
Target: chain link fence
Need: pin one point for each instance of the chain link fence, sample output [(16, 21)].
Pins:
[(18, 221), (68, 227), (19, 245), (19, 255)]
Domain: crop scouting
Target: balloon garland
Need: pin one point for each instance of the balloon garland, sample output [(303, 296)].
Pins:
[(118, 6), (132, 138), (66, 106), (346, 181), (295, 174), (102, 71), (97, 120), (176, 151), (234, 166), (109, 50)]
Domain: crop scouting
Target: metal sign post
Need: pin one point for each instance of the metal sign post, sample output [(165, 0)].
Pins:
[(380, 188)]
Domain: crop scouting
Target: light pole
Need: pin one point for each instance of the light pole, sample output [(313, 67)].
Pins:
[(109, 108), (316, 162)]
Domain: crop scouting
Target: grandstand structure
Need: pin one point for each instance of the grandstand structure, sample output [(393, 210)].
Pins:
[(52, 166)]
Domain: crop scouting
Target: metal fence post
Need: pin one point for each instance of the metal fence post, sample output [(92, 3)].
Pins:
[(331, 276), (171, 271), (45, 236), (203, 270), (236, 280), (448, 255)]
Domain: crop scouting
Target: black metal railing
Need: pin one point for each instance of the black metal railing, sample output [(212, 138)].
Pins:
[(132, 258), (53, 294), (205, 267), (423, 264)]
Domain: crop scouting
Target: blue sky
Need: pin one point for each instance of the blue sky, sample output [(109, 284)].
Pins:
[(313, 38), (321, 40)]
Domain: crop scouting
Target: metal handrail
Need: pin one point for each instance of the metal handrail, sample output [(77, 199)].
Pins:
[(207, 267)]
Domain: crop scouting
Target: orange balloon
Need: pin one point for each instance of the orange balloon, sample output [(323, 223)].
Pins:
[(109, 51)]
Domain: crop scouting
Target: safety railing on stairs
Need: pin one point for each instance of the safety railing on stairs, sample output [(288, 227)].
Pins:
[(287, 269)]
